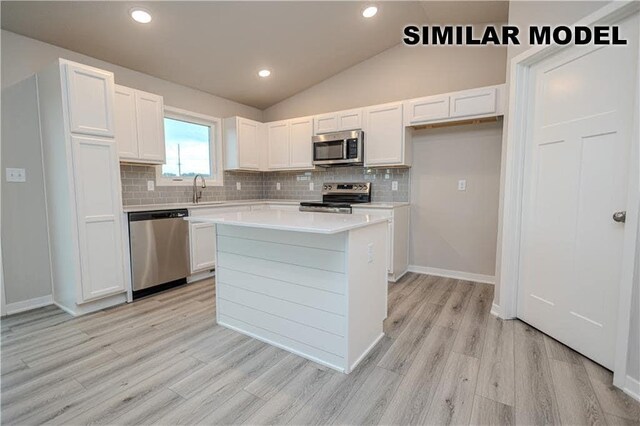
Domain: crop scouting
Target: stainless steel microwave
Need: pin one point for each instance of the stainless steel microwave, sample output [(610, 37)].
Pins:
[(339, 149)]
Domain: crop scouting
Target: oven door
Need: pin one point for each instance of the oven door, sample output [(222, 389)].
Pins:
[(329, 152)]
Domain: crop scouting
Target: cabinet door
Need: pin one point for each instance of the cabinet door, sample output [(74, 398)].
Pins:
[(426, 109), (278, 140), (300, 147), (384, 135), (125, 122), (473, 102), (98, 209), (248, 144), (90, 94), (150, 122), (350, 120), (325, 123), (202, 241)]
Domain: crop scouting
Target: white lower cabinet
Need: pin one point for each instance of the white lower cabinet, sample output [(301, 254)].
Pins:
[(202, 243), (202, 237), (398, 254)]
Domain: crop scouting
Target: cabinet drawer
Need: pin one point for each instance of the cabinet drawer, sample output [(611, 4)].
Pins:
[(473, 102)]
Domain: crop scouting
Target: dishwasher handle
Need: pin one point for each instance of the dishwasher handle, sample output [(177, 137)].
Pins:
[(160, 214)]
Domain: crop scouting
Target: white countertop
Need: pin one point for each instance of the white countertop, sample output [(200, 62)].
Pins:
[(317, 223), (213, 204)]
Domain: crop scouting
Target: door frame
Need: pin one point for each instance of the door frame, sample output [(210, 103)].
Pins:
[(519, 132)]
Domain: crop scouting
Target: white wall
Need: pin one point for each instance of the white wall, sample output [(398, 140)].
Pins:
[(24, 234), (450, 229), (401, 72)]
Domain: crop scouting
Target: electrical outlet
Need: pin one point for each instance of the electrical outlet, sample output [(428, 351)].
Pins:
[(16, 175), (151, 186), (278, 187), (310, 186), (394, 185), (370, 253), (387, 176), (462, 185), (238, 186)]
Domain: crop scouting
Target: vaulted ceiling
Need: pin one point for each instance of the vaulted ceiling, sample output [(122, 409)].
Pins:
[(218, 47)]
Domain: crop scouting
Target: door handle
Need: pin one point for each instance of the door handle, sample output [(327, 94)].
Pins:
[(620, 217)]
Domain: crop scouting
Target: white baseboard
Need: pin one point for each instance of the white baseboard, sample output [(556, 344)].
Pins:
[(200, 276), (495, 310), (632, 388), (459, 275), (27, 305)]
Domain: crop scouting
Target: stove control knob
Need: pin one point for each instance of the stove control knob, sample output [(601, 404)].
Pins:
[(329, 186)]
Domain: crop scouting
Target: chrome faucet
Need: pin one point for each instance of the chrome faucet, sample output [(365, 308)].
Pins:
[(197, 194)]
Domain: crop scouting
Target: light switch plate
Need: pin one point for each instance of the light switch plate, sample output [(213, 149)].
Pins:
[(278, 187), (394, 185), (310, 186), (151, 186), (16, 175), (238, 186), (462, 185)]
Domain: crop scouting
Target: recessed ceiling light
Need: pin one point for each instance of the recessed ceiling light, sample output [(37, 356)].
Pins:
[(264, 73), (370, 11), (140, 15)]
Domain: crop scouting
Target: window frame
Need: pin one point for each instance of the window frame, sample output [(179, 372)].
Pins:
[(215, 147)]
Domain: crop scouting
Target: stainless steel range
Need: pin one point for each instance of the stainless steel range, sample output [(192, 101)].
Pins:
[(337, 197)]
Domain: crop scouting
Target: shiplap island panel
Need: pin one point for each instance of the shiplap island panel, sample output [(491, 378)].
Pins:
[(311, 283)]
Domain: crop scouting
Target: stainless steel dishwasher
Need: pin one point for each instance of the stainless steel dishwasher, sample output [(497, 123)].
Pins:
[(159, 250)]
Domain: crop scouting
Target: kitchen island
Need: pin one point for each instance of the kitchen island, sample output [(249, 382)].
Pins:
[(314, 284)]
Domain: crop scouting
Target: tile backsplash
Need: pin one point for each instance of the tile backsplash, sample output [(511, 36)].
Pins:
[(294, 185)]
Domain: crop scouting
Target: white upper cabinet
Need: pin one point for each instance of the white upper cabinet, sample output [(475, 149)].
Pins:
[(427, 109), (242, 144), (463, 105), (300, 148), (150, 121), (337, 121), (473, 102), (90, 100), (139, 126), (126, 126), (290, 144), (278, 140), (385, 136)]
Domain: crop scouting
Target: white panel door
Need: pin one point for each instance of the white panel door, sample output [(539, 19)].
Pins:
[(427, 109), (202, 240), (99, 210), (125, 122), (384, 133), (90, 94), (575, 179), (248, 144), (300, 147), (473, 102), (278, 140), (150, 121)]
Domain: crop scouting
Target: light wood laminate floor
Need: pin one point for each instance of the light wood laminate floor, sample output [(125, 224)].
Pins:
[(164, 360)]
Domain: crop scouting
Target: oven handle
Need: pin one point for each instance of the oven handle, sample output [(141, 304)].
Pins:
[(344, 149)]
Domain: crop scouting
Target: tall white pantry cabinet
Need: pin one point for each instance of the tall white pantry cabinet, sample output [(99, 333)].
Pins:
[(82, 181)]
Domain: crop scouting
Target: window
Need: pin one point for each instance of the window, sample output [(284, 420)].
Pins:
[(193, 147)]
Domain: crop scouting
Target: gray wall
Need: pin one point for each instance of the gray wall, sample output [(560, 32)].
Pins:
[(451, 229), (398, 73), (25, 245), (23, 56)]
